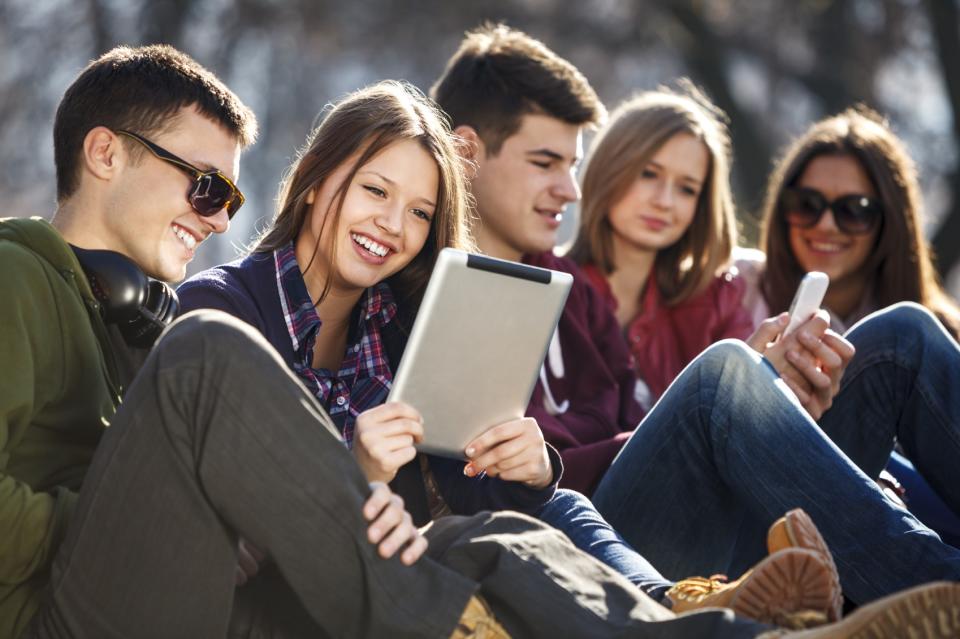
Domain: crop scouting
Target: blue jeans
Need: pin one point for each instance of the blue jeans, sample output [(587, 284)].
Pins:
[(902, 386), (728, 449), (923, 501), (575, 516)]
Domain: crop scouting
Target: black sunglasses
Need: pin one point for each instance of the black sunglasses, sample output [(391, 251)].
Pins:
[(853, 214), (210, 192)]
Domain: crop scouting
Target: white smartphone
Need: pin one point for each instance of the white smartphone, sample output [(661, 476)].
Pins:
[(807, 301)]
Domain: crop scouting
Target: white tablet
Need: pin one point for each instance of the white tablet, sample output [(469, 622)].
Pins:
[(477, 345)]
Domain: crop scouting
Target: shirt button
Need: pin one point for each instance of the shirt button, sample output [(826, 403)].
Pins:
[(341, 400)]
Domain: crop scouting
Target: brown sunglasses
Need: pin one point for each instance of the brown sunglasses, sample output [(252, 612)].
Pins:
[(210, 192)]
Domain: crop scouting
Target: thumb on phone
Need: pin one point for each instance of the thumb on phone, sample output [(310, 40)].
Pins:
[(767, 332)]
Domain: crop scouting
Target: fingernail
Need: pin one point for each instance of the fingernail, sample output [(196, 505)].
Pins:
[(468, 470), (470, 451)]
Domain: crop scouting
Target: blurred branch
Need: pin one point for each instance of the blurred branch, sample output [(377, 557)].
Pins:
[(99, 27), (706, 56), (845, 66), (164, 21), (837, 76), (944, 19)]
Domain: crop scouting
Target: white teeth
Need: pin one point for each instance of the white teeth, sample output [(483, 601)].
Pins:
[(187, 238), (374, 247), (828, 247)]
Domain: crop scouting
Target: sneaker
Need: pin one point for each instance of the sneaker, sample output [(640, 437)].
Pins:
[(478, 622), (797, 530), (793, 587), (931, 611)]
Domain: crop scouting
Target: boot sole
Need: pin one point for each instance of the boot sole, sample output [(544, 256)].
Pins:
[(790, 581), (803, 533), (931, 611)]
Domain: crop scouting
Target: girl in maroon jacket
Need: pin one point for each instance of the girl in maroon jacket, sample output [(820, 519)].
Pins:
[(658, 230)]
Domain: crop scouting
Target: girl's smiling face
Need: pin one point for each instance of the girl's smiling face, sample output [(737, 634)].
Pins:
[(384, 222), (824, 247)]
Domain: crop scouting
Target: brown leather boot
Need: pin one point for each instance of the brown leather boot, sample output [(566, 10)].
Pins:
[(931, 611), (797, 530), (478, 622), (793, 587)]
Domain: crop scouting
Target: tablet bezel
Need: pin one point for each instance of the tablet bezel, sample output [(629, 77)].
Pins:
[(446, 323)]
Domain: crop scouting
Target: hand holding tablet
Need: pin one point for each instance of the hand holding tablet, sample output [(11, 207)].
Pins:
[(384, 439), (476, 347), (514, 451)]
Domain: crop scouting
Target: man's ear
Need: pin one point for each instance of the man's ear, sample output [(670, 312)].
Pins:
[(470, 147), (102, 152)]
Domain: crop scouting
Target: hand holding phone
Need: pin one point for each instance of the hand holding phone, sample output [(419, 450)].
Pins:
[(808, 299)]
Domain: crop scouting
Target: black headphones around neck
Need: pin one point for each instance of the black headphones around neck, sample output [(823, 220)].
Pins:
[(140, 306)]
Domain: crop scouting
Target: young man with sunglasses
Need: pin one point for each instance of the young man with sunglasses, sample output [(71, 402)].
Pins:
[(64, 368), (727, 449)]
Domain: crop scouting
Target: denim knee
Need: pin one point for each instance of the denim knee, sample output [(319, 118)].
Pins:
[(903, 318), (565, 503), (905, 324), (726, 356)]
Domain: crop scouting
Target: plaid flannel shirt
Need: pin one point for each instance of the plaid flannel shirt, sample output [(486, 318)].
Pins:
[(364, 377)]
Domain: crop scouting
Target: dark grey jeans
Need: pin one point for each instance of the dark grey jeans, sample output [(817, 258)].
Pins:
[(216, 439)]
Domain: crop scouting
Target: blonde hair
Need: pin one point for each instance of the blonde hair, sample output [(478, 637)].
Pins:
[(638, 128)]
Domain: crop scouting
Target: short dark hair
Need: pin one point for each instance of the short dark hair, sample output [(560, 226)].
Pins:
[(139, 89), (499, 74)]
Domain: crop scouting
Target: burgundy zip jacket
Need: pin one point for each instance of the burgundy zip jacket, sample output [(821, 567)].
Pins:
[(584, 401)]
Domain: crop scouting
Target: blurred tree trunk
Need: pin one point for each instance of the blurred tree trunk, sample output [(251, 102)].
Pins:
[(944, 19), (164, 21), (705, 55), (99, 27), (840, 73)]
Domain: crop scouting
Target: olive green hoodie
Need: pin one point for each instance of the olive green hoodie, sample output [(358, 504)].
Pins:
[(58, 389)]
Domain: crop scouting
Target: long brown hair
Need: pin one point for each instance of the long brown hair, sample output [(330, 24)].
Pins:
[(636, 131), (363, 124), (901, 262)]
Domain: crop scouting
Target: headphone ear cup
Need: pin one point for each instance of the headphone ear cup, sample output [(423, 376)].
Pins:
[(117, 283), (160, 307), (139, 306)]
